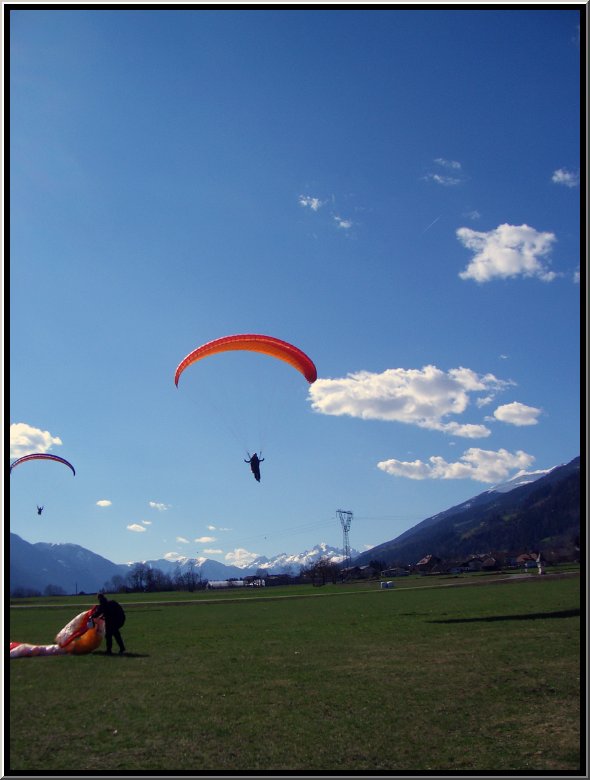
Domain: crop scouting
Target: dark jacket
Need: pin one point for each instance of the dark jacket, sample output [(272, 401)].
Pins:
[(112, 612)]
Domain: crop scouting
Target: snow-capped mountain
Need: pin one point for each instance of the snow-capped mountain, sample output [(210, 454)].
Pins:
[(284, 563), (206, 568), (487, 497), (520, 479)]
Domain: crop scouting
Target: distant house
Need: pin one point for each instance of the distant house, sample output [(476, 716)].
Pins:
[(427, 564), (280, 579), (480, 563), (395, 572), (526, 558), (216, 584), (254, 582), (489, 563)]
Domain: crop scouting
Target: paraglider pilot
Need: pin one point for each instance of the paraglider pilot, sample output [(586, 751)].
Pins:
[(39, 509), (114, 618), (255, 462)]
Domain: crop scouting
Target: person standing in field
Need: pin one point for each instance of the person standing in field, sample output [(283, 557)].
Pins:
[(114, 619)]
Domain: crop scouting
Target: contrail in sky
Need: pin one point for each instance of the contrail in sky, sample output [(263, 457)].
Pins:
[(432, 223)]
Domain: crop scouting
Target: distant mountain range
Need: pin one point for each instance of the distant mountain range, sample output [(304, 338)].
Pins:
[(74, 569), (279, 564), (530, 512)]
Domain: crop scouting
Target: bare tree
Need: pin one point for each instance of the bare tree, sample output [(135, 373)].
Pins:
[(138, 576), (54, 590), (117, 584), (321, 572)]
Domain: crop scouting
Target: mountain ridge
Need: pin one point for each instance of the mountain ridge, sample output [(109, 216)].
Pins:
[(529, 515)]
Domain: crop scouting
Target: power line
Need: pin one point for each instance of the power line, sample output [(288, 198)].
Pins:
[(287, 531)]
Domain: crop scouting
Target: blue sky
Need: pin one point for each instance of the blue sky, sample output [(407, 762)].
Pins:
[(396, 192)]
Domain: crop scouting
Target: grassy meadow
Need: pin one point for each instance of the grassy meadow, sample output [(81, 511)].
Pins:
[(422, 677)]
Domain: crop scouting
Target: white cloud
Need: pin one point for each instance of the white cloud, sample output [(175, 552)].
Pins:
[(465, 431), (567, 178), (480, 402), (517, 414), (423, 397), (205, 539), (474, 215), (240, 557), (507, 251), (159, 507), (308, 201), (174, 556), (452, 176), (146, 522), (315, 204), (136, 528), (213, 552), (211, 528), (448, 163), (577, 276), (104, 502), (479, 465), (182, 540), (445, 181), (26, 440), (344, 224)]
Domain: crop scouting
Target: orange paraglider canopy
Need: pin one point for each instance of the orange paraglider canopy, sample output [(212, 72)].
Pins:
[(267, 345)]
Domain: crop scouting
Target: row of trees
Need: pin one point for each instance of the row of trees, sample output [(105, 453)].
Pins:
[(327, 571), (144, 579), (23, 592)]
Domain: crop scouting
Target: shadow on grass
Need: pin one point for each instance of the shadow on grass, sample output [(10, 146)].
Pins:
[(563, 613), (122, 655)]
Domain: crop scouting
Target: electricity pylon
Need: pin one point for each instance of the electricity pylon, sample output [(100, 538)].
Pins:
[(345, 518)]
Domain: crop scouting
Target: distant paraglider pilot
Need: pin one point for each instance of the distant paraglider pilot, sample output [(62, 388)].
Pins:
[(255, 462), (40, 509), (114, 618)]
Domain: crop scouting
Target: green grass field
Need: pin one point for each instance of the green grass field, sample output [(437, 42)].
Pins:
[(422, 677)]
